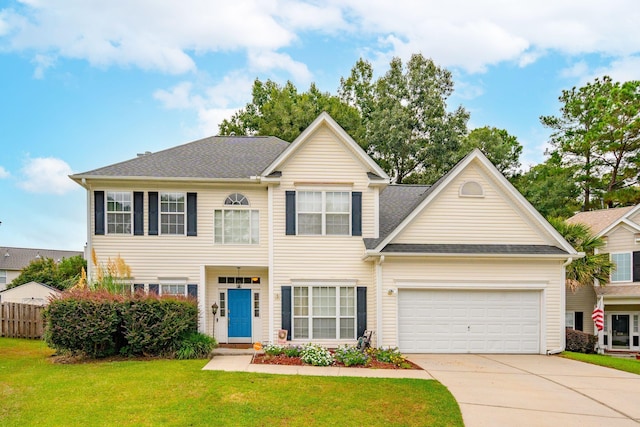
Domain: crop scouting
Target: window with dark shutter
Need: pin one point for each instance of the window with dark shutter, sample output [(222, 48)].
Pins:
[(636, 266), (361, 310), (138, 213), (356, 213), (286, 310), (192, 214), (291, 213)]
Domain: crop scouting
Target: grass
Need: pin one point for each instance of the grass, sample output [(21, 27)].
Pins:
[(622, 364), (35, 391)]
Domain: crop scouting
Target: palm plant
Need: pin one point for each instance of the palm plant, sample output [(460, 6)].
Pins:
[(593, 266)]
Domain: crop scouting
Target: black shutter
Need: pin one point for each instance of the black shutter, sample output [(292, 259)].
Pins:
[(98, 200), (138, 213), (291, 212), (192, 291), (361, 310), (138, 287), (286, 310), (578, 324), (153, 213), (356, 213), (154, 289), (636, 266), (192, 214)]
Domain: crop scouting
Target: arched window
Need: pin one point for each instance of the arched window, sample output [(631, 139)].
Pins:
[(236, 199), (471, 189)]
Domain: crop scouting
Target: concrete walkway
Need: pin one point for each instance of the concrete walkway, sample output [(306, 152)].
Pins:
[(500, 390), (534, 390)]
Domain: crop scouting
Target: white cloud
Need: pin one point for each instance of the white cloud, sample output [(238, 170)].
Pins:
[(4, 173), (46, 175), (268, 60), (621, 70), (43, 62)]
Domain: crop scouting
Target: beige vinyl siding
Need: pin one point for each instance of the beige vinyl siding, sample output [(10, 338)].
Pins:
[(621, 239), (154, 257), (29, 293), (480, 273), (322, 162), (582, 299), (494, 218)]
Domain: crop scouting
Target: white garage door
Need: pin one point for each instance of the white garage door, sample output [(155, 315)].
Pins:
[(463, 321)]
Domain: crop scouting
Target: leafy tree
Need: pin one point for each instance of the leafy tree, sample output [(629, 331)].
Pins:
[(550, 188), (408, 129), (593, 266), (598, 131), (502, 149), (61, 275), (283, 112)]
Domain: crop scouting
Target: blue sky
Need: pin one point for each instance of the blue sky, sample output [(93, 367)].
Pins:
[(88, 83)]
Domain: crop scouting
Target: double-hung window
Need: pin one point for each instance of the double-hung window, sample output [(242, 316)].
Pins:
[(119, 207), (622, 272), (172, 213), (236, 224), (324, 212), (173, 289), (324, 312)]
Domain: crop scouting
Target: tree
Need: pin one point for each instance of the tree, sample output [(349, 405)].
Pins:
[(598, 131), (408, 129), (60, 275), (593, 266), (550, 188), (283, 112), (502, 149)]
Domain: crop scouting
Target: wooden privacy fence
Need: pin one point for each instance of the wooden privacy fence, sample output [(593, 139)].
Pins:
[(21, 320)]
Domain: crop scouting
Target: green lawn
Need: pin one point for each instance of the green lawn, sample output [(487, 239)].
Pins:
[(622, 364), (35, 391)]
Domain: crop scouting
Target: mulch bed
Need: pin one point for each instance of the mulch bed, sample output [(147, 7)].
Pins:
[(263, 359)]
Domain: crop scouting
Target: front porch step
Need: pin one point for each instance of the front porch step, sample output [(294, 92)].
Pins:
[(237, 346)]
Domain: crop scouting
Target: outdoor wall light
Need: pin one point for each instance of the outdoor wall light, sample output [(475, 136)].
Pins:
[(391, 292), (214, 308)]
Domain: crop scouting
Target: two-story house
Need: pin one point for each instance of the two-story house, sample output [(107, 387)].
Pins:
[(311, 238), (620, 228)]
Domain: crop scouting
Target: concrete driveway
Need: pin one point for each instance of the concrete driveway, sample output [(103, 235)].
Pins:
[(535, 390)]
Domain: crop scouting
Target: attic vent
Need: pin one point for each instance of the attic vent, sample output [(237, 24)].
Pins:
[(7, 254), (471, 189), (146, 153)]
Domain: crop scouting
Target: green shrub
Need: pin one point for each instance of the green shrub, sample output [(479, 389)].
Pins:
[(389, 355), (195, 346), (580, 342), (85, 322), (350, 356), (155, 326), (315, 355), (273, 350), (292, 351), (100, 323)]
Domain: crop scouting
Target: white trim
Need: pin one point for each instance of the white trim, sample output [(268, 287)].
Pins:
[(373, 254), (202, 301), (620, 221), (476, 155), (271, 335), (630, 270), (160, 213), (471, 286), (107, 212), (325, 119)]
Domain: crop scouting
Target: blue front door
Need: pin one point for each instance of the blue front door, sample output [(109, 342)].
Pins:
[(239, 315)]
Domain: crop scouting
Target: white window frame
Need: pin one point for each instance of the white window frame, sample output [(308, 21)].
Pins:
[(307, 312), (165, 217), (220, 237), (168, 285), (116, 200), (323, 212), (570, 315), (629, 271)]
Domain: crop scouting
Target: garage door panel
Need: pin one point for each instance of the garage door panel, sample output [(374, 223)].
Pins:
[(464, 321)]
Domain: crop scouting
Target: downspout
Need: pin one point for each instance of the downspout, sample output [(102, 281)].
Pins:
[(379, 300), (270, 289), (88, 249), (563, 303)]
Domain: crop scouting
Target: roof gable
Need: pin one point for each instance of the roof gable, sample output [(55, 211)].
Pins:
[(547, 234), (18, 258), (602, 221), (324, 119)]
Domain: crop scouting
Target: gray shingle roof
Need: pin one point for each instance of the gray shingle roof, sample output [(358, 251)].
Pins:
[(474, 249), (214, 157), (396, 203), (18, 258)]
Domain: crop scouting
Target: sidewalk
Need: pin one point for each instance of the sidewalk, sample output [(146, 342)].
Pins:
[(240, 361)]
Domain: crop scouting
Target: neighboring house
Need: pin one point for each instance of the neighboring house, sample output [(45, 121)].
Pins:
[(312, 239), (29, 293), (13, 260), (620, 228)]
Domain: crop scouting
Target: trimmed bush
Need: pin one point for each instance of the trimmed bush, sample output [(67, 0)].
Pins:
[(85, 322), (580, 342), (155, 326), (100, 323), (314, 354), (350, 356)]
